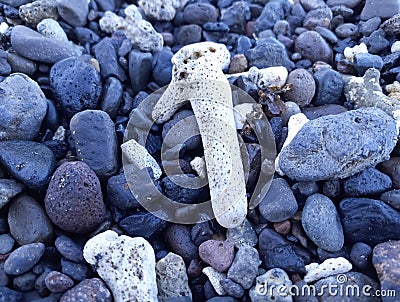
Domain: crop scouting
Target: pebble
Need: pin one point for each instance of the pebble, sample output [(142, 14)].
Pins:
[(360, 255), (139, 69), (218, 254), (201, 232), (89, 290), (50, 28), (368, 182), (126, 264), (7, 294), (29, 162), (20, 64), (8, 189), (269, 287), (215, 279), (329, 87), (69, 249), (200, 13), (386, 262), (392, 198), (161, 10), (268, 77), (95, 141), (119, 193), (4, 279), (36, 11), (28, 221), (376, 42), (291, 108), (231, 288), (321, 222), (25, 282), (23, 258), (372, 138), (73, 12), (364, 61), (279, 203), (74, 201), (238, 64), (329, 267), (268, 52), (391, 26), (302, 87), (33, 46), (106, 55), (178, 239), (347, 30), (391, 168), (235, 17), (244, 268), (22, 108), (77, 271), (172, 280), (369, 221), (57, 282), (111, 96), (189, 34), (313, 47), (243, 235), (6, 243), (141, 224), (383, 9), (162, 67), (273, 11), (319, 16), (76, 84)]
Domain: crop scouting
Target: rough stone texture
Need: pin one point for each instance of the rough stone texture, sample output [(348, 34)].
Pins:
[(329, 267), (29, 162), (391, 26), (77, 85), (74, 12), (8, 189), (386, 260), (302, 87), (22, 108), (161, 10), (269, 77), (321, 223), (279, 203), (178, 239), (172, 280), (95, 141), (313, 47), (243, 235), (267, 285), (57, 282), (200, 13), (272, 12), (32, 45), (369, 221), (244, 268), (215, 278), (382, 9), (28, 221), (89, 290), (23, 258), (329, 87), (139, 69), (391, 167), (36, 11), (340, 145), (126, 264), (369, 181), (218, 254), (74, 201)]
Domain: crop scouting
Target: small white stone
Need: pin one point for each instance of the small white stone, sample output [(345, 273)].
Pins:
[(138, 155), (268, 77), (329, 267), (59, 135), (161, 10), (215, 278), (240, 111), (395, 47), (198, 164), (3, 27), (50, 28), (351, 52), (126, 264), (272, 286), (110, 22)]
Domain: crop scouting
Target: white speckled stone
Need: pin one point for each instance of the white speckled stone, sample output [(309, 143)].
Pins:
[(275, 76), (329, 267), (215, 278)]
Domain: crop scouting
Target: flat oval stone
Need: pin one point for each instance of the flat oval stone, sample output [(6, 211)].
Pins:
[(23, 107), (69, 249), (23, 258), (6, 243), (32, 45), (74, 201), (313, 47), (368, 220), (30, 162), (321, 223), (339, 146), (28, 221), (57, 282)]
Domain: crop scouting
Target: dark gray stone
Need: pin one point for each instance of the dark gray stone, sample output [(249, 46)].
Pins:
[(313, 113), (21, 64), (9, 295), (28, 221), (189, 34), (201, 232), (329, 85), (382, 9), (376, 42), (279, 203), (22, 108), (360, 255), (112, 96), (243, 235), (29, 162), (369, 26), (69, 249), (368, 182), (364, 61), (391, 26), (162, 67), (302, 87), (231, 288), (15, 3), (57, 282), (89, 290), (244, 268), (322, 224), (339, 146), (25, 282), (178, 239), (119, 193), (106, 54), (23, 258), (347, 30), (139, 69), (77, 85), (273, 11), (200, 13), (236, 16), (369, 221), (6, 243), (32, 45), (74, 12), (95, 141), (77, 271), (313, 47), (347, 3), (392, 198), (320, 16), (142, 224)]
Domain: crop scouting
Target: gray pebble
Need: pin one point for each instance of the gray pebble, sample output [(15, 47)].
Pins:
[(347, 30), (243, 235), (329, 85), (218, 254), (77, 271), (382, 9), (6, 243), (189, 34), (57, 282), (89, 290), (392, 198), (364, 61), (376, 42), (303, 87), (8, 189), (316, 112), (200, 13), (162, 67), (25, 282), (112, 96), (244, 268), (313, 47), (9, 295), (348, 3), (321, 223), (20, 64), (360, 255), (74, 12), (231, 288), (320, 16), (369, 26), (23, 258), (139, 69), (69, 249), (368, 182)]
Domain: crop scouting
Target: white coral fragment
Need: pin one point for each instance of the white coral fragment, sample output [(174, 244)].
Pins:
[(198, 164), (126, 264), (161, 10), (351, 52), (275, 76), (215, 278), (197, 77), (138, 155), (329, 267)]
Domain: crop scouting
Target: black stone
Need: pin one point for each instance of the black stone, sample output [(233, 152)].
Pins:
[(119, 194), (112, 96), (162, 67), (178, 239), (142, 224), (329, 87), (69, 249), (106, 54)]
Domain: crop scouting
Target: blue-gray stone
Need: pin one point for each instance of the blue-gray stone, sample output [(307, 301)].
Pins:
[(8, 189), (244, 268), (69, 249), (139, 69), (119, 193), (329, 87), (77, 271), (143, 224), (360, 255), (370, 181), (6, 243), (273, 11), (162, 67), (112, 96), (364, 61), (383, 9), (106, 54), (74, 12), (9, 295), (23, 258)]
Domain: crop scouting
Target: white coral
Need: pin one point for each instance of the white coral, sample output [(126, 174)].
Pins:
[(329, 267)]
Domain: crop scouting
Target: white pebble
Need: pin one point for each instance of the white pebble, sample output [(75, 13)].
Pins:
[(351, 52), (329, 267), (3, 27), (268, 77), (215, 278), (395, 47)]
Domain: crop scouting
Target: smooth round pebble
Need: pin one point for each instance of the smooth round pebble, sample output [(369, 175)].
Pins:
[(360, 255), (23, 258), (200, 13), (57, 282), (24, 282), (89, 290), (313, 47), (69, 249), (302, 87), (6, 243)]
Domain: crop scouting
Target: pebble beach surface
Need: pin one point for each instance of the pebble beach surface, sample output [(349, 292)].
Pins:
[(325, 73)]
